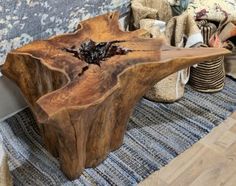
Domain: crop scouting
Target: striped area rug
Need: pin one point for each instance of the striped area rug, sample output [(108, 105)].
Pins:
[(156, 134)]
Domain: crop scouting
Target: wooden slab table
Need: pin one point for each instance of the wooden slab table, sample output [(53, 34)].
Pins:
[(82, 86)]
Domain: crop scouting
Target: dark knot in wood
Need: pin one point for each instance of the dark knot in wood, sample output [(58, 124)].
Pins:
[(82, 110), (94, 53)]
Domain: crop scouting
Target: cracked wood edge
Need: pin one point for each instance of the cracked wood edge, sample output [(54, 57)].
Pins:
[(82, 135)]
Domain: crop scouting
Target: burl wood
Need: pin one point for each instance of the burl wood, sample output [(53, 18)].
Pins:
[(82, 108)]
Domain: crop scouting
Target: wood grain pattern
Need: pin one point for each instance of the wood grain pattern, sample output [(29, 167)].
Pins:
[(83, 114), (211, 161)]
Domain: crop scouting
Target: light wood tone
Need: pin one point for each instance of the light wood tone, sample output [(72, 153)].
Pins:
[(5, 176), (82, 108), (233, 115), (209, 162)]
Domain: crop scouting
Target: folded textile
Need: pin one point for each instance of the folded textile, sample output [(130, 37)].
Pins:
[(225, 31), (181, 31), (228, 31), (152, 9), (224, 37), (154, 27), (216, 10)]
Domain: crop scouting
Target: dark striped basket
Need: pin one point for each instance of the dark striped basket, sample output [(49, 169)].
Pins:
[(210, 75)]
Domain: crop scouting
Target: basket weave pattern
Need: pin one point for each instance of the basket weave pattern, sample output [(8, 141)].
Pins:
[(210, 75)]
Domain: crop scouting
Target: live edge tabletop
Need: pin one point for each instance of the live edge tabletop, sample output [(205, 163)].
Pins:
[(82, 86)]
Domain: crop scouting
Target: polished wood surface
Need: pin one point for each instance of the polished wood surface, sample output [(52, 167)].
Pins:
[(82, 109)]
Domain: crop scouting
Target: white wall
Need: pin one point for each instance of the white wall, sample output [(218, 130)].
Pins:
[(11, 99)]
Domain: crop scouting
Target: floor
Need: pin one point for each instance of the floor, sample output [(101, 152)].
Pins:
[(209, 162)]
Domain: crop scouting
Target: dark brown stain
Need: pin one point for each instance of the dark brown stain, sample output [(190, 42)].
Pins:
[(94, 53)]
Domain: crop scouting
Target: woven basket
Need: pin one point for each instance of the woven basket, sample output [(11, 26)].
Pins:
[(177, 30), (169, 89), (210, 75), (207, 29), (151, 9), (5, 178)]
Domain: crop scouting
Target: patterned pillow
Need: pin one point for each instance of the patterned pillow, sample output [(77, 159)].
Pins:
[(215, 10)]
